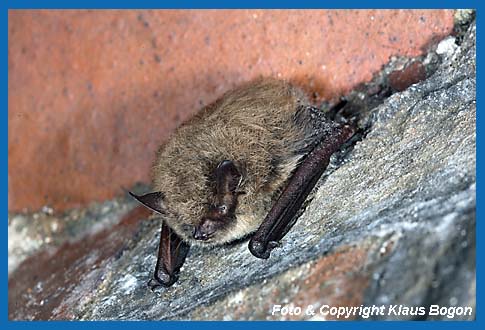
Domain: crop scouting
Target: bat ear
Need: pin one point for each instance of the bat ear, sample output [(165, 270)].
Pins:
[(227, 177), (152, 200)]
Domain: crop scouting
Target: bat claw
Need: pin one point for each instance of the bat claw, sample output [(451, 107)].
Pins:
[(153, 284), (261, 250), (273, 244)]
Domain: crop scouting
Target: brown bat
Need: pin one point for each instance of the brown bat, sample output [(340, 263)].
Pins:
[(242, 166)]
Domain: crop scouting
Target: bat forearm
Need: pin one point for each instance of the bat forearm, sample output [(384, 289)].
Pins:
[(281, 217), (171, 256)]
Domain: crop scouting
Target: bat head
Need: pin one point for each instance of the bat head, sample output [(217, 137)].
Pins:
[(220, 211), (206, 221)]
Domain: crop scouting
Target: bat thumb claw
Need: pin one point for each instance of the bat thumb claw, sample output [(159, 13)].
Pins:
[(261, 250), (162, 280)]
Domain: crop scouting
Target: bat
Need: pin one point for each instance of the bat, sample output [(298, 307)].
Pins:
[(242, 167)]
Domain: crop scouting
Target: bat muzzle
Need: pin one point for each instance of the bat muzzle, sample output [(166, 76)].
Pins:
[(206, 229)]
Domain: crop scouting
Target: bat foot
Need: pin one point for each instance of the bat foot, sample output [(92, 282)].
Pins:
[(260, 249)]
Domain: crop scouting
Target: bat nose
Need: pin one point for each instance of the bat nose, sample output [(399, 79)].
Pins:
[(199, 235), (204, 230)]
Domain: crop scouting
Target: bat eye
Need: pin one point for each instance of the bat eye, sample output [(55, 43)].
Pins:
[(222, 209)]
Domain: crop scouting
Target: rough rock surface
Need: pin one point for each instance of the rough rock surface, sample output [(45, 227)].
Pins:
[(392, 222)]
